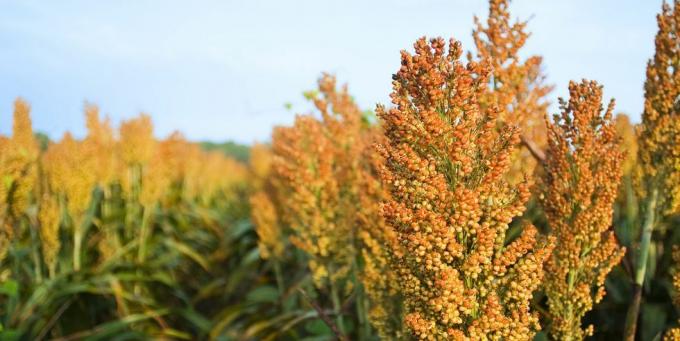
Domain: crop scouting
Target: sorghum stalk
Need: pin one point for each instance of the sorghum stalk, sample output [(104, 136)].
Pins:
[(659, 137), (144, 232), (641, 265)]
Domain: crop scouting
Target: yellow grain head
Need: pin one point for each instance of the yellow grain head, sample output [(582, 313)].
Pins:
[(305, 163), (260, 164), (266, 224), (380, 282), (136, 140), (136, 147), (659, 133), (516, 85), (450, 204), (19, 157), (101, 142), (49, 218), (160, 171), (583, 173), (69, 167), (628, 143)]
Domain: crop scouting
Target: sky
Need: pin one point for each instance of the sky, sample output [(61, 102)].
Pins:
[(225, 70)]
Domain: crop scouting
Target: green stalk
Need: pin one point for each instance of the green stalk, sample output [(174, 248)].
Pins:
[(631, 209), (364, 325), (279, 277), (77, 244), (337, 307), (52, 269), (144, 233), (641, 267), (35, 254), (133, 207), (80, 227)]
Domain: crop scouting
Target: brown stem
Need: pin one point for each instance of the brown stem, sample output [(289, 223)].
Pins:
[(54, 319), (641, 266), (535, 151), (632, 316), (324, 317)]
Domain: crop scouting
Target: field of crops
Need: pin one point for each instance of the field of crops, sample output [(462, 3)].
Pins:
[(462, 210)]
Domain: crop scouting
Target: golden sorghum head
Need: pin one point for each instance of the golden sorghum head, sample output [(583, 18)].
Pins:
[(49, 218), (161, 170), (101, 143), (136, 140), (583, 173), (260, 164), (325, 178), (265, 220), (672, 335), (304, 161), (316, 162), (380, 282), (628, 143), (516, 87), (659, 133), (450, 204), (22, 131), (213, 174), (263, 210), (69, 168), (18, 156)]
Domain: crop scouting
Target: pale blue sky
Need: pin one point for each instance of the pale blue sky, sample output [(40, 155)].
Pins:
[(223, 70)]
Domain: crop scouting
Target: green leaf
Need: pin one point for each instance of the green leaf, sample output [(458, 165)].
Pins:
[(10, 335), (653, 318), (263, 294), (109, 329), (317, 327), (197, 320), (541, 336), (189, 252), (9, 288), (225, 318)]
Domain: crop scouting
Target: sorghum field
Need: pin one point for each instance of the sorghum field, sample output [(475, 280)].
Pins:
[(463, 210)]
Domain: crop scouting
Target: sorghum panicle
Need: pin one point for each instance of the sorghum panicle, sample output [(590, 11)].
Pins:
[(49, 217), (516, 86), (263, 212), (102, 143), (379, 280), (659, 132), (328, 166), (18, 158), (305, 163), (583, 173), (628, 143), (265, 220), (136, 140), (450, 204), (68, 167)]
